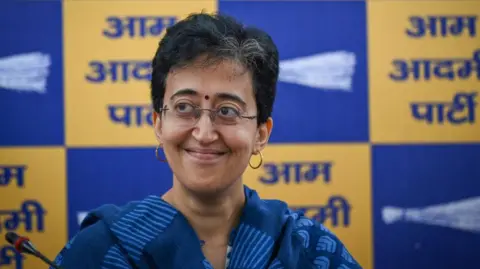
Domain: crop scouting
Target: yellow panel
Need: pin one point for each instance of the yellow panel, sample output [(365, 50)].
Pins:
[(424, 61), (108, 50), (33, 199), (308, 176)]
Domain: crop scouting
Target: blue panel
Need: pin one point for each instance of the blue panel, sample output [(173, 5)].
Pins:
[(418, 181), (31, 114), (104, 176), (320, 113)]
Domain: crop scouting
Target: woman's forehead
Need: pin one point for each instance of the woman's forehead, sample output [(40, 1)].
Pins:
[(225, 77)]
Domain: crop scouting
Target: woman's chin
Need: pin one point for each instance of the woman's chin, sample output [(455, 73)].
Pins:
[(203, 184)]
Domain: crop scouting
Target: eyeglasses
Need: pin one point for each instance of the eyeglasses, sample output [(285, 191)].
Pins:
[(186, 114)]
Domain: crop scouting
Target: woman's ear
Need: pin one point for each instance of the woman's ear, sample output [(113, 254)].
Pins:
[(157, 126), (263, 135)]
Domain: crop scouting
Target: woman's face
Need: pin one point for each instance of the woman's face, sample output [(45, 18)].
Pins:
[(209, 156)]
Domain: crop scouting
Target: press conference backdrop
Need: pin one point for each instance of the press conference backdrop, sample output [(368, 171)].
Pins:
[(376, 121)]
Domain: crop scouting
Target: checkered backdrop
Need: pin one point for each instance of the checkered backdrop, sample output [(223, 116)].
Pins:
[(376, 122)]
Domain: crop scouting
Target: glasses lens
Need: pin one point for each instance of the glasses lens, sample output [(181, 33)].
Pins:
[(185, 118)]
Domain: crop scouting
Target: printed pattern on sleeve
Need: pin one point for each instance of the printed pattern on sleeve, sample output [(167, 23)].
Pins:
[(329, 251)]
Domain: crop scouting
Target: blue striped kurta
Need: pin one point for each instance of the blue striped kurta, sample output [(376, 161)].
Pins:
[(153, 234)]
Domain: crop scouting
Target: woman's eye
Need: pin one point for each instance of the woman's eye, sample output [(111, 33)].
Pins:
[(184, 107), (228, 111)]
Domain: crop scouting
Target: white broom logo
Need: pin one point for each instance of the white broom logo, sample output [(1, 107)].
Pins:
[(327, 71), (26, 72), (462, 215)]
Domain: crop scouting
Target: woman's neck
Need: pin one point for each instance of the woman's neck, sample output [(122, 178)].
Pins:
[(212, 218)]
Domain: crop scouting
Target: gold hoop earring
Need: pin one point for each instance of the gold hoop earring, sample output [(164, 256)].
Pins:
[(156, 154), (260, 164)]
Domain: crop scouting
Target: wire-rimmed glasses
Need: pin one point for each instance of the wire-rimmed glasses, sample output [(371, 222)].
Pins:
[(186, 114)]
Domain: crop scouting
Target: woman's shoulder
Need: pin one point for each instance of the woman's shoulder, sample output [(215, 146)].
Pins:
[(319, 244), (103, 228), (315, 243), (86, 248)]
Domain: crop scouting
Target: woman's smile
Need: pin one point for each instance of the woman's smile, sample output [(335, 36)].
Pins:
[(205, 155)]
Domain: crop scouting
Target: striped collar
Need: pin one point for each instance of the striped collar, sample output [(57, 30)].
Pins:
[(156, 235)]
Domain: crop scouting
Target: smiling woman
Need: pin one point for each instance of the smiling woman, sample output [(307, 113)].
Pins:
[(209, 154), (213, 88)]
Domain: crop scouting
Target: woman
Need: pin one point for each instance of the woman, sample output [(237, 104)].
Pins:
[(213, 87)]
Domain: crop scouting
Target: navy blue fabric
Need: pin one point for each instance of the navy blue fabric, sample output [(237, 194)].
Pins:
[(153, 234)]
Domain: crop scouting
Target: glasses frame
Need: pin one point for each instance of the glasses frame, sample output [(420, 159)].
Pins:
[(198, 111)]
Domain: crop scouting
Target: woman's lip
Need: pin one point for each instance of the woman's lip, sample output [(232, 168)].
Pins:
[(205, 151), (204, 157)]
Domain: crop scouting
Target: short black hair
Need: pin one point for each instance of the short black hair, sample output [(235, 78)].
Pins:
[(218, 36)]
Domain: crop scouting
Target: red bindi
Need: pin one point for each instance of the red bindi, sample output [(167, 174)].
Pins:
[(207, 97)]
